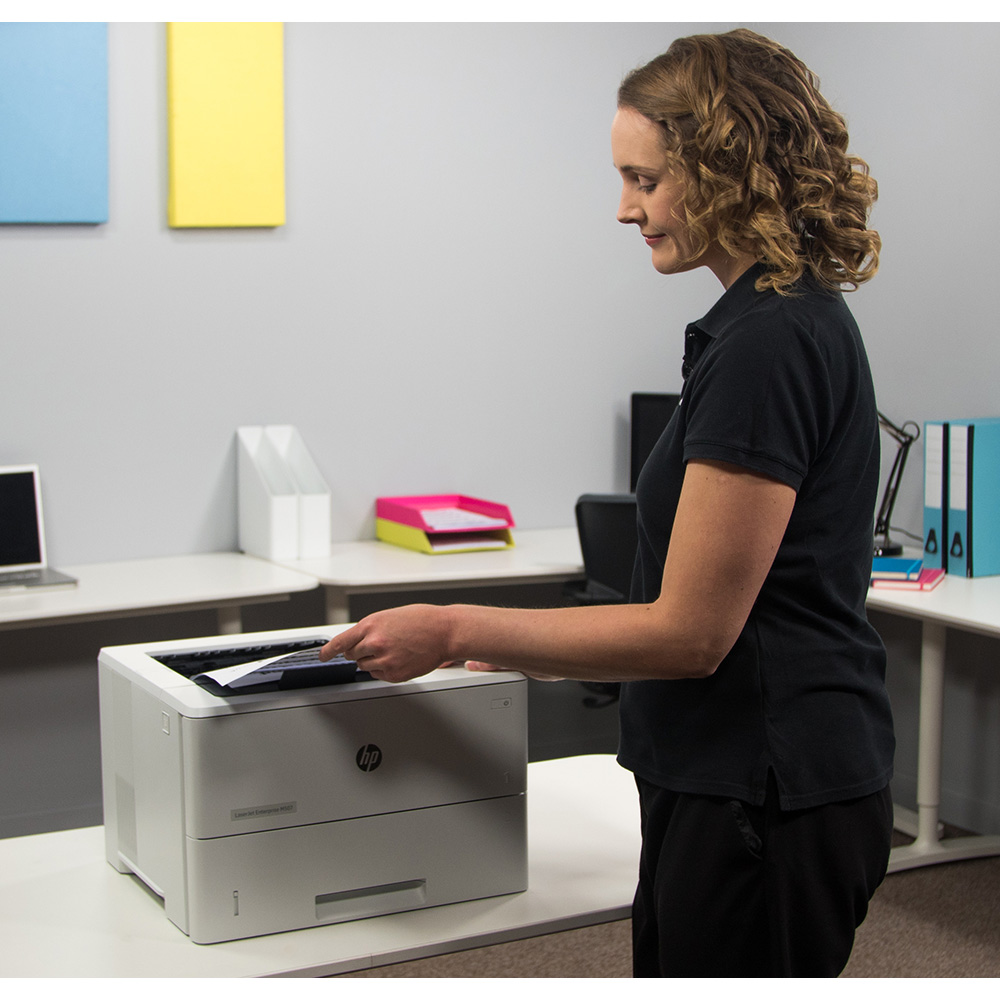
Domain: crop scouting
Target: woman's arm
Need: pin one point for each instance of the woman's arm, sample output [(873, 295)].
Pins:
[(727, 529)]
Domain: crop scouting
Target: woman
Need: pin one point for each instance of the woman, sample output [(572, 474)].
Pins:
[(753, 713)]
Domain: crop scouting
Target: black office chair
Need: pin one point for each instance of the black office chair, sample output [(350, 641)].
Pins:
[(606, 525)]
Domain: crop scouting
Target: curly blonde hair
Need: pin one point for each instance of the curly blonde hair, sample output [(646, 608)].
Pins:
[(765, 157)]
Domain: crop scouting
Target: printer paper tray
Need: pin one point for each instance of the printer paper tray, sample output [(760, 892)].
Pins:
[(280, 880)]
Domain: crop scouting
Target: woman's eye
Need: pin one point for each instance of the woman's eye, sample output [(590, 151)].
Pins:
[(645, 186)]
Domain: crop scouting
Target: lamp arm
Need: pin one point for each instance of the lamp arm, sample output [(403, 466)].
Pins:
[(904, 440), (891, 488)]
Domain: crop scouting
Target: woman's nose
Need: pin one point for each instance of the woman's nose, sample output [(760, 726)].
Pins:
[(628, 211)]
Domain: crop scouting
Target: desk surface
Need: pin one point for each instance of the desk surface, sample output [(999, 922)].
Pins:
[(212, 579), (65, 912), (546, 553), (970, 605)]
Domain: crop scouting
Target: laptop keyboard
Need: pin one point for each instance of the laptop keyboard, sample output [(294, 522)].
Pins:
[(18, 576)]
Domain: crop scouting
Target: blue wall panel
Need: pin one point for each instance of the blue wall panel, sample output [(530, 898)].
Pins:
[(53, 122)]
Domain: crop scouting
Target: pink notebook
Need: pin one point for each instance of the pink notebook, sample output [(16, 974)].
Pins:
[(928, 580)]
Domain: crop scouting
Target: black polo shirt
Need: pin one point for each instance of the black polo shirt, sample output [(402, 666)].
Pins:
[(780, 385)]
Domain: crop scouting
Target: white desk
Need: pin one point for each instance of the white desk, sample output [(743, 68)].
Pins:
[(220, 580), (973, 606), (550, 555), (65, 912)]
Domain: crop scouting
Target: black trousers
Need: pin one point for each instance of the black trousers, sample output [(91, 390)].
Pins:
[(730, 889)]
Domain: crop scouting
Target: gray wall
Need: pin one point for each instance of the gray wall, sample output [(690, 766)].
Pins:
[(452, 305)]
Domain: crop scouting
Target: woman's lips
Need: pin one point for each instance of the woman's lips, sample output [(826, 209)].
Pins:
[(651, 241)]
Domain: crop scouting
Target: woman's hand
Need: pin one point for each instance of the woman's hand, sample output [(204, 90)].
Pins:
[(402, 643), (398, 644)]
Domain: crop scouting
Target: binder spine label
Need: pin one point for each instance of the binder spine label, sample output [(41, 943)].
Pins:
[(969, 474), (936, 495), (958, 495)]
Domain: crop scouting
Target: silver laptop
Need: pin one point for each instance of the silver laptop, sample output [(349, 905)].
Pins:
[(22, 533)]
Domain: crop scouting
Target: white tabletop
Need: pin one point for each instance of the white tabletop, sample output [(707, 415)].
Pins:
[(970, 605), (541, 553), (211, 579), (65, 912)]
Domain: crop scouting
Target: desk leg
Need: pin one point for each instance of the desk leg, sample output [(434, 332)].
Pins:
[(928, 848), (337, 605), (230, 620)]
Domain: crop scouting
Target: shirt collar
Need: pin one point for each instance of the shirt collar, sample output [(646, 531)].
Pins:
[(733, 303)]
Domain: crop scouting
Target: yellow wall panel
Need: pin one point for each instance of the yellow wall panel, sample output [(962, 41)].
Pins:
[(226, 123)]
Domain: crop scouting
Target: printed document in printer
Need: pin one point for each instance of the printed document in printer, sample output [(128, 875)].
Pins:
[(270, 668)]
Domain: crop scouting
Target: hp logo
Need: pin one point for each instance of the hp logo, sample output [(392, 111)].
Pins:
[(369, 757)]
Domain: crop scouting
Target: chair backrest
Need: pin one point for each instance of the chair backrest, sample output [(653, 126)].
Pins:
[(608, 541)]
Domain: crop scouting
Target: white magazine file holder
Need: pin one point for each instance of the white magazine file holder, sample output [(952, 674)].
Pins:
[(284, 502)]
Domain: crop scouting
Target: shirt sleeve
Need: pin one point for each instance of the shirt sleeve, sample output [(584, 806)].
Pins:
[(760, 398)]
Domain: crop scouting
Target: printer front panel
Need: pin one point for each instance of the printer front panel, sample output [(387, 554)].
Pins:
[(267, 770), (325, 873)]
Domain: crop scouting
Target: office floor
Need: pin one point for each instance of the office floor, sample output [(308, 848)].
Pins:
[(936, 922)]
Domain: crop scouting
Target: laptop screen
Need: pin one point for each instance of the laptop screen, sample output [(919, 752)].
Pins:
[(21, 538)]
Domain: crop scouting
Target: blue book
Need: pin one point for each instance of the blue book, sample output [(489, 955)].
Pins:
[(896, 568)]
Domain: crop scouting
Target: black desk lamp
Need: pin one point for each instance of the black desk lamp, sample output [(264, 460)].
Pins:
[(884, 546)]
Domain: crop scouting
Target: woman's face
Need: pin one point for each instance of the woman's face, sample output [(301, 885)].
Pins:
[(652, 189)]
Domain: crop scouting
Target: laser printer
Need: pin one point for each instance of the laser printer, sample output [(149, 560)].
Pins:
[(331, 797)]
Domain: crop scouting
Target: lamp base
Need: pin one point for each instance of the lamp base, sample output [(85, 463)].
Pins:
[(887, 548)]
